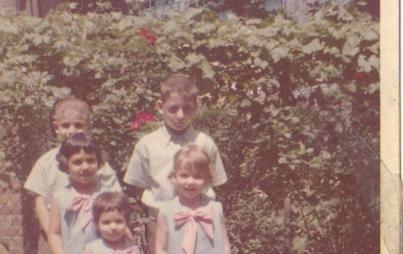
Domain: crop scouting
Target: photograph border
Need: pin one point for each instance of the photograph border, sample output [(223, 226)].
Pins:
[(390, 115)]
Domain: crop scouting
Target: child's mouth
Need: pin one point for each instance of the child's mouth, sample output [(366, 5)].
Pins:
[(86, 175)]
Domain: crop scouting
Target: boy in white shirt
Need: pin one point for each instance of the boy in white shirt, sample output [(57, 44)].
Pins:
[(152, 159), (71, 115)]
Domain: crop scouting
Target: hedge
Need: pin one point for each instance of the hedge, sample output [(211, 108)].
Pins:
[(294, 109)]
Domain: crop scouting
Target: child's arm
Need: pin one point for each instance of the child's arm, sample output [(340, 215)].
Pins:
[(55, 230), (161, 245), (227, 248), (42, 212), (220, 176), (37, 184)]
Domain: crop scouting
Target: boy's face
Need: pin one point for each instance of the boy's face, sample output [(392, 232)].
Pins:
[(177, 111), (70, 122)]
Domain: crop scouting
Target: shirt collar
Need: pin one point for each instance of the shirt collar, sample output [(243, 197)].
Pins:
[(186, 136), (69, 185)]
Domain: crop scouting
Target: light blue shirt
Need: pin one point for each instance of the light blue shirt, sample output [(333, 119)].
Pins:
[(203, 243)]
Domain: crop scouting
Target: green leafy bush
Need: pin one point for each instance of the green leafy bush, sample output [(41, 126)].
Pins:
[(294, 109)]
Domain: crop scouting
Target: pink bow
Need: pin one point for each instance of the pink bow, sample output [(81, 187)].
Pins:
[(131, 250), (82, 204), (189, 219)]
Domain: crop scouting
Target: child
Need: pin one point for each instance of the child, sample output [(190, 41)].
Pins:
[(71, 225), (191, 223), (152, 159), (111, 215), (71, 115)]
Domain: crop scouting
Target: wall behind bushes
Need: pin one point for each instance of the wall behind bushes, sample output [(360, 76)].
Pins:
[(294, 109)]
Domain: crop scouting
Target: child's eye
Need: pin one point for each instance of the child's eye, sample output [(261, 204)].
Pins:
[(91, 161), (173, 109), (188, 109), (119, 221), (78, 125), (106, 222), (184, 175), (198, 176), (77, 162), (65, 125)]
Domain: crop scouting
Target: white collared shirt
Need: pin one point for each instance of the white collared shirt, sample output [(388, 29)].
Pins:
[(46, 177), (152, 162)]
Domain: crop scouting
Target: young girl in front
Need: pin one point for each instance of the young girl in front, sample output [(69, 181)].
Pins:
[(111, 212), (191, 223), (71, 225)]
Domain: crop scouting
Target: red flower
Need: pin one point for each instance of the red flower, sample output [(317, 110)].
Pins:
[(148, 35), (141, 118), (359, 75)]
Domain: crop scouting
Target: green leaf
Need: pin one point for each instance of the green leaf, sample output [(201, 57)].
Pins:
[(351, 87), (260, 63), (366, 64), (372, 88), (208, 71), (282, 160), (313, 46), (193, 58), (175, 63), (349, 51), (279, 53)]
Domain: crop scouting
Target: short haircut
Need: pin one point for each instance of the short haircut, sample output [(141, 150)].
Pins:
[(74, 144), (72, 104), (180, 84), (193, 158), (111, 201)]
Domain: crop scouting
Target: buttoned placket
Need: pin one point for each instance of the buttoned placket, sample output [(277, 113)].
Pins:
[(175, 142)]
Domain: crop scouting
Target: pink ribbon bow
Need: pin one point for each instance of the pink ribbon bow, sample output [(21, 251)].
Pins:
[(189, 219), (83, 205), (131, 250)]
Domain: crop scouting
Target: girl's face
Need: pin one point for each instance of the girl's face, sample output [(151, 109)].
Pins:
[(82, 168), (112, 226), (189, 183)]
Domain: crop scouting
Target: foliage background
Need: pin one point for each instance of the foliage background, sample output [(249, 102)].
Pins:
[(293, 107)]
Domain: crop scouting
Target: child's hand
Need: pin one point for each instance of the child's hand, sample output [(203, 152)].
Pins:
[(130, 235)]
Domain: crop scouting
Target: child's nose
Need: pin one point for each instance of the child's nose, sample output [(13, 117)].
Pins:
[(72, 129), (85, 165), (180, 113), (191, 180), (113, 226)]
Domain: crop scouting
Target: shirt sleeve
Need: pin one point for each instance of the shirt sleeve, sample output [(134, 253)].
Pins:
[(109, 178), (137, 171), (220, 177), (37, 179), (219, 208)]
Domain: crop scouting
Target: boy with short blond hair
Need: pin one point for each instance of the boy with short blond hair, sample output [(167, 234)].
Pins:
[(152, 159), (71, 115)]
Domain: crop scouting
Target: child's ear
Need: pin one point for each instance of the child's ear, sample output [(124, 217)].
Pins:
[(55, 126), (172, 178), (159, 105)]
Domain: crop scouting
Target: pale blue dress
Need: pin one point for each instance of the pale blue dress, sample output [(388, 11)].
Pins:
[(99, 246), (73, 235), (203, 243)]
